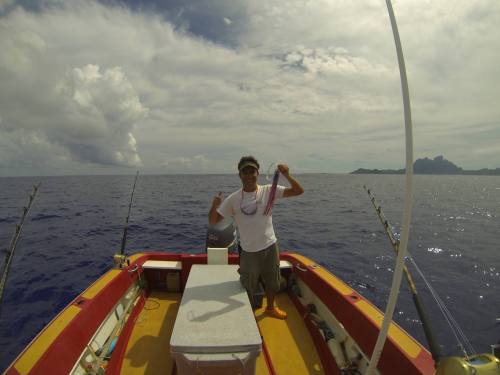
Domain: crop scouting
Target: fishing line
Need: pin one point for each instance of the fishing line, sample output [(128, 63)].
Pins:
[(421, 310), (455, 328), (270, 171)]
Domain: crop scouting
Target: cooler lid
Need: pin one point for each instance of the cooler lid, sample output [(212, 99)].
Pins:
[(215, 315)]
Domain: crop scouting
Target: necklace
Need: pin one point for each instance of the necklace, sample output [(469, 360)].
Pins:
[(250, 207)]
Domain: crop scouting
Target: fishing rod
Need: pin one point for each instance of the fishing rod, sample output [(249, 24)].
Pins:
[(124, 238), (13, 243), (429, 332)]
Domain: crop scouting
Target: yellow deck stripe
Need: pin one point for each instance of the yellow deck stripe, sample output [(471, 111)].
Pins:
[(148, 349), (334, 281), (303, 259), (288, 341), (400, 337), (96, 287), (38, 347)]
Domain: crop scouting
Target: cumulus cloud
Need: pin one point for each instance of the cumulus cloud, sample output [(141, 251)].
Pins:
[(81, 113), (110, 106)]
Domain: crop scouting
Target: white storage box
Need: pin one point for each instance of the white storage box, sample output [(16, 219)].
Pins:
[(215, 330), (217, 255)]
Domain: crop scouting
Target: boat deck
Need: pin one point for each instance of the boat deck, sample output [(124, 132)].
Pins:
[(288, 343), (148, 349)]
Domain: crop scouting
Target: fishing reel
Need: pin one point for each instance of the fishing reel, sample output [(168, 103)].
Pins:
[(480, 364), (121, 261)]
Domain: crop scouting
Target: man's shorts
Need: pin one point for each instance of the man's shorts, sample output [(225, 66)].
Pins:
[(264, 264)]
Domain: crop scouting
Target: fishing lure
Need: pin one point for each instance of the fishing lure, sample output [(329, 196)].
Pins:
[(272, 194)]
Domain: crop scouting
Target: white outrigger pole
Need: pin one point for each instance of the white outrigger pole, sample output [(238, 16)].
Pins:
[(398, 271)]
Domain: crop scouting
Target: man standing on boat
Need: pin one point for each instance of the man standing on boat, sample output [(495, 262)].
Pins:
[(250, 208)]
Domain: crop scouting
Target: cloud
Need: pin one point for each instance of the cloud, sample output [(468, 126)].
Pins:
[(21, 149), (195, 164), (113, 86), (333, 61), (5, 4), (82, 113), (110, 106)]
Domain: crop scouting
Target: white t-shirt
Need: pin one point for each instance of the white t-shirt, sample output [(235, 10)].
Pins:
[(255, 229)]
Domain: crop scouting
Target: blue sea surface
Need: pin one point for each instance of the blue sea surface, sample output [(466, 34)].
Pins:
[(76, 225)]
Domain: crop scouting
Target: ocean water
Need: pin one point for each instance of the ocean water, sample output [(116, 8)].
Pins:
[(76, 226)]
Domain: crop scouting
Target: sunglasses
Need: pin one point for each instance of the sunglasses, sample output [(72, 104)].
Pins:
[(250, 207)]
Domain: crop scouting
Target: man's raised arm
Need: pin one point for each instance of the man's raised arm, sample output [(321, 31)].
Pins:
[(295, 187)]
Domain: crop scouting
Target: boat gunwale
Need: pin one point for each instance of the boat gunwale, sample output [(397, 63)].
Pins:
[(74, 338), (76, 335), (361, 327), (115, 363)]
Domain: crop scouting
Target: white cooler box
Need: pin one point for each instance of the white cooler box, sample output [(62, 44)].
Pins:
[(215, 330)]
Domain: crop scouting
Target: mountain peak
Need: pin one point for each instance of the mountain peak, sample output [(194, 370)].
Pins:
[(438, 165)]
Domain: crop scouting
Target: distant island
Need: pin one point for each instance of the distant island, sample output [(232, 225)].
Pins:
[(438, 165)]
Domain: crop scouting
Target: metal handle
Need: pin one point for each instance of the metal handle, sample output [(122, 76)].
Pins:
[(134, 269), (299, 267)]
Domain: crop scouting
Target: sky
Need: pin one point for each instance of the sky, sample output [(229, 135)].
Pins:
[(111, 87)]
